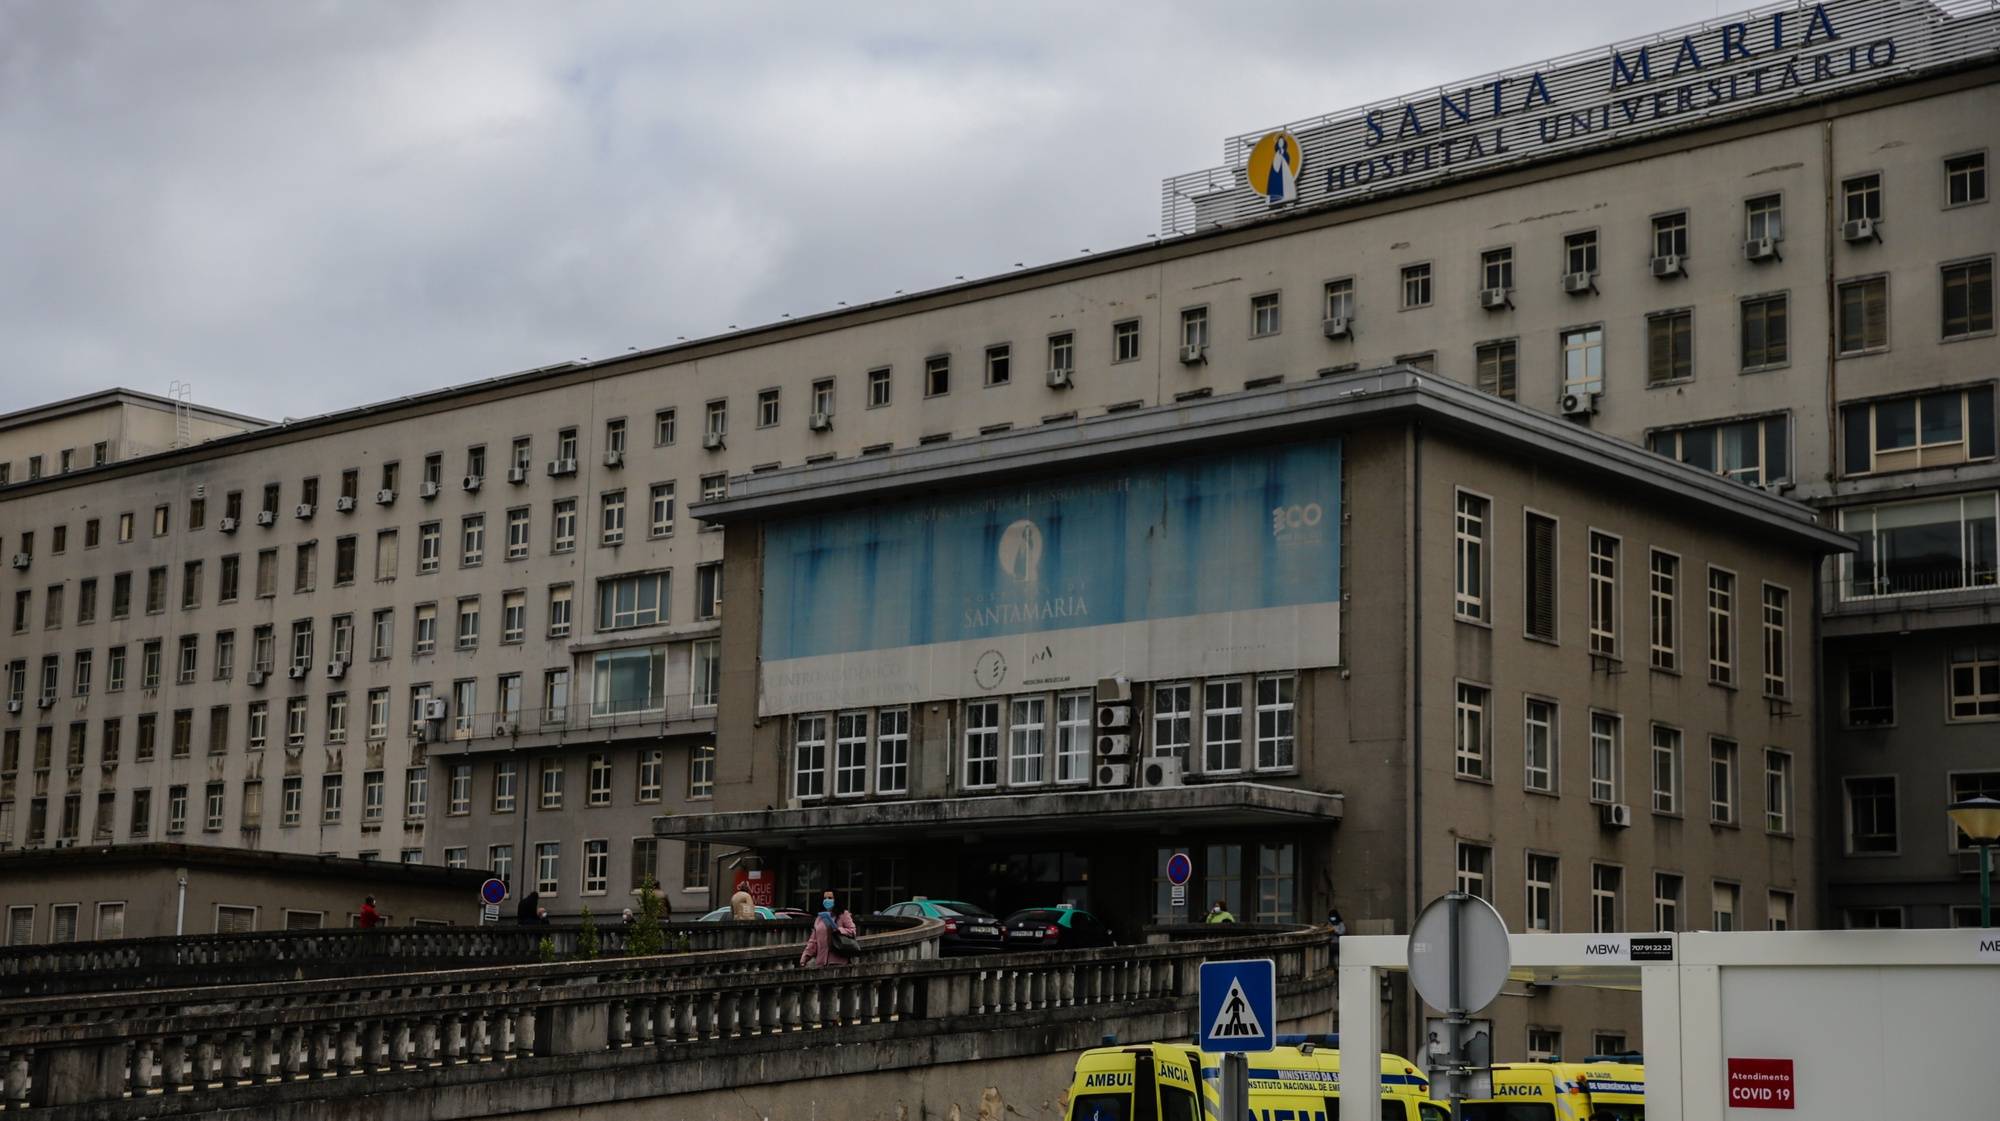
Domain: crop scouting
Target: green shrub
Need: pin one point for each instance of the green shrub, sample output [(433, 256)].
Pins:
[(646, 938), (586, 939)]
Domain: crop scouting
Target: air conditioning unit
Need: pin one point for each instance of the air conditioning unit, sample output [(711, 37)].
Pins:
[(428, 489), (1617, 815), (336, 670), (227, 525), (1114, 774), (297, 672), (614, 458), (517, 475), (1193, 354), (1861, 229), (471, 482), (1160, 771), (385, 497), (20, 560), (1490, 298), (1669, 265), (1061, 378), (1114, 690), (344, 504), (434, 708), (1760, 249), (558, 467), (820, 422), (1114, 745), (1575, 282), (420, 732), (65, 842), (502, 730), (304, 510), (1114, 715), (14, 707), (711, 441), (1338, 327), (254, 677), (267, 517), (45, 702), (1578, 404)]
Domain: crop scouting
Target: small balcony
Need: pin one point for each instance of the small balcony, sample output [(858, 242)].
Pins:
[(1865, 599), (650, 717)]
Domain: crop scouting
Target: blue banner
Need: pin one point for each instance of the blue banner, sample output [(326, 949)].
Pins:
[(1224, 532)]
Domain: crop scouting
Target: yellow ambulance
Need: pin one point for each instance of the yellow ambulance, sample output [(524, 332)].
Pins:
[(1593, 1090), (1175, 1082)]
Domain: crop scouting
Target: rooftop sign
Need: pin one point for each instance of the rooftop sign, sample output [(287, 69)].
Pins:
[(1665, 82)]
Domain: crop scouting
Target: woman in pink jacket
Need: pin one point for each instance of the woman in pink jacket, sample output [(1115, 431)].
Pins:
[(832, 917)]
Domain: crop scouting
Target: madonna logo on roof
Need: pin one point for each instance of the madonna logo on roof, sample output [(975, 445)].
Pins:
[(1274, 166)]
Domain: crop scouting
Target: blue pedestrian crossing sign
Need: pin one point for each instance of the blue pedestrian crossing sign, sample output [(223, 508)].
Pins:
[(1238, 1010)]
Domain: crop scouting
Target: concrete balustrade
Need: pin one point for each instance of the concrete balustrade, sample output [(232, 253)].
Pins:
[(177, 1052)]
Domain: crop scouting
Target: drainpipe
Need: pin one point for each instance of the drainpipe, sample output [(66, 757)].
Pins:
[(1828, 234), (181, 906), (1415, 590)]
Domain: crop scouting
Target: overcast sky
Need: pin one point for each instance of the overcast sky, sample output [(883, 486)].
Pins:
[(301, 205)]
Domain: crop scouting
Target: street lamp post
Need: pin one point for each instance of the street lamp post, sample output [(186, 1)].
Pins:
[(1979, 819)]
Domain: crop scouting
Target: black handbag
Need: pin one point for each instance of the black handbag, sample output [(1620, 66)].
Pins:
[(841, 942)]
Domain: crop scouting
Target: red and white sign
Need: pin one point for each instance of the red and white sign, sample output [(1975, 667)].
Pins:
[(761, 887), (1760, 1084)]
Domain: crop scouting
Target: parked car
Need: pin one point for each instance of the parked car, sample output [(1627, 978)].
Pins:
[(791, 913), (968, 927), (1056, 928), (721, 914)]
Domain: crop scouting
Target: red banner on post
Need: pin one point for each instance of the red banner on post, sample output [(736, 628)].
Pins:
[(760, 886)]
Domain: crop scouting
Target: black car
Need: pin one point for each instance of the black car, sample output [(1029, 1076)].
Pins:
[(968, 927), (1056, 928)]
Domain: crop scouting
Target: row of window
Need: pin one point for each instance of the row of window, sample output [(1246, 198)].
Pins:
[(375, 798), (1972, 686), (1541, 760), (1473, 573), (1872, 821), (1542, 901)]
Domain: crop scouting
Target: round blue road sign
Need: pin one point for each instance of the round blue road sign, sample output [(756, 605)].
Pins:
[(1179, 868), (493, 891)]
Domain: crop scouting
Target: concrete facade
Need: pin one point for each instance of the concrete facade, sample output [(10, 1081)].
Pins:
[(133, 891), (911, 371), (99, 428)]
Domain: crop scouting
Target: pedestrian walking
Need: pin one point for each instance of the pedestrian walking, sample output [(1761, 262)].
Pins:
[(530, 910), (833, 932)]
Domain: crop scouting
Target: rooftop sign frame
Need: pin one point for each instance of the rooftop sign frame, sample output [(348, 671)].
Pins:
[(1660, 83)]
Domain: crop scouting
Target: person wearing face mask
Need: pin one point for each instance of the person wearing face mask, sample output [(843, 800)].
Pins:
[(831, 927), (1218, 914)]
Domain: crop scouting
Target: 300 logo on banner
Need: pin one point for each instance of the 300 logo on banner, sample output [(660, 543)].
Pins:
[(1295, 517)]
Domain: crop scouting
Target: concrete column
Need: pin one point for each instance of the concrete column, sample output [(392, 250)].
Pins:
[(454, 1038), (372, 1057), (173, 1064), (291, 1053), (524, 1031), (78, 1075), (143, 1051), (575, 1029), (349, 1043)]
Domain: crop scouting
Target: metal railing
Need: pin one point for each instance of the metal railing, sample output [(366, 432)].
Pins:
[(182, 1052), (124, 965), (579, 720)]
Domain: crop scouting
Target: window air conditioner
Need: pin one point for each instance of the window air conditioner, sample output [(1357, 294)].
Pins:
[(297, 672), (1060, 378), (1617, 815), (304, 510), (428, 489), (614, 458), (336, 670), (13, 706), (1160, 771), (45, 702), (1338, 327), (1575, 282), (254, 677), (1114, 715), (227, 525), (1669, 265), (1114, 745), (384, 497), (434, 708), (471, 482), (267, 517), (559, 467), (1114, 774), (517, 475), (1861, 229), (1760, 249), (344, 504), (502, 730), (20, 560), (711, 441), (820, 422), (1193, 354), (1491, 298), (1578, 403)]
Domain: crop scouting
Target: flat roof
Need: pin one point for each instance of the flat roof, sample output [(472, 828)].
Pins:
[(117, 395), (53, 862), (1285, 410), (1803, 110)]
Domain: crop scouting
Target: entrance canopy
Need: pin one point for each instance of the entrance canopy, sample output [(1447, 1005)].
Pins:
[(1177, 808)]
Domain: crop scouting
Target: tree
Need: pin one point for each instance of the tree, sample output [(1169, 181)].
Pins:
[(586, 939), (545, 950), (646, 938)]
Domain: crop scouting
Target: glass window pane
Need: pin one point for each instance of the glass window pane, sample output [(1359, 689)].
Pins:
[(1943, 419), (1896, 424)]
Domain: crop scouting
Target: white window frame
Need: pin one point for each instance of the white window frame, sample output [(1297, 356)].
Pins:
[(1472, 516), (1667, 744), (1548, 731)]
